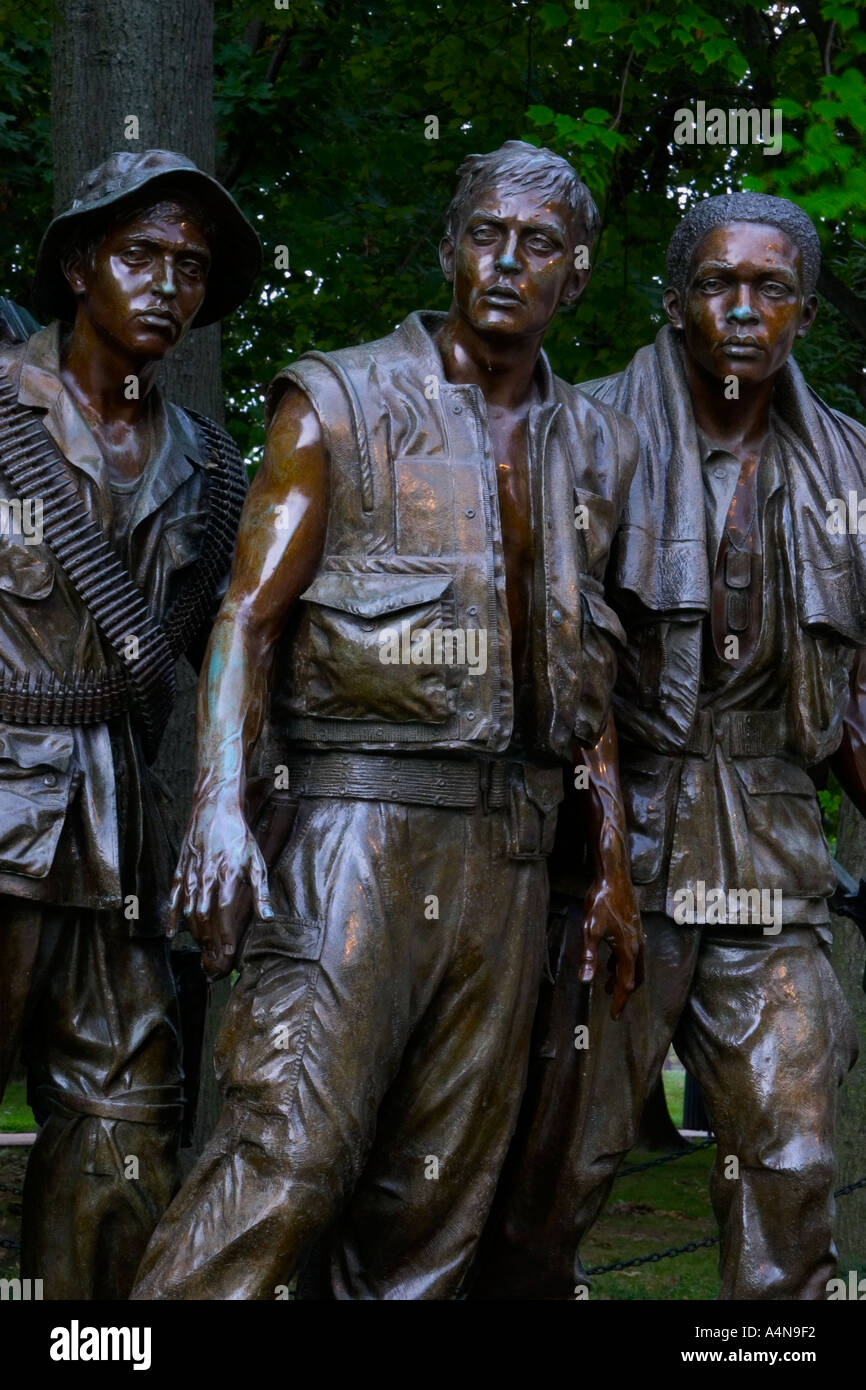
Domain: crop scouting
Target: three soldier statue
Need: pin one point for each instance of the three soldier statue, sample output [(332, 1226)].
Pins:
[(489, 617)]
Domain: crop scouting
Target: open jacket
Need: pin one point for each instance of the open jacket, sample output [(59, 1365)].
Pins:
[(59, 839)]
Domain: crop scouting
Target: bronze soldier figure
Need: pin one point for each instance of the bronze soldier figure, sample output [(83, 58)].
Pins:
[(444, 649), (744, 604), (137, 503)]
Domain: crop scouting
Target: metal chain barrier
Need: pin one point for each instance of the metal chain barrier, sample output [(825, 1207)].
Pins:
[(693, 1244), (666, 1158), (6, 1244)]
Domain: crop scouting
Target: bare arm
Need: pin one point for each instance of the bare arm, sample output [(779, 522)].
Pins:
[(610, 910), (279, 546)]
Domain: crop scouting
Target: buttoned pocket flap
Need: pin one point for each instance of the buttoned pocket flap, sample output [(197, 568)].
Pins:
[(290, 937), (24, 573), (36, 772), (371, 595), (764, 776), (184, 540), (602, 615)]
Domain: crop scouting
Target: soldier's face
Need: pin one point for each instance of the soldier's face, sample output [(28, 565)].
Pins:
[(513, 264), (744, 306), (145, 283)]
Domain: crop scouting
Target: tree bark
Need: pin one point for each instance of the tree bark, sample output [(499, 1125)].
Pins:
[(115, 59), (849, 958), (111, 60)]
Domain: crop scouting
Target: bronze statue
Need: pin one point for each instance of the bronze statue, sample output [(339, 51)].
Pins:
[(409, 557), (744, 602), (129, 506)]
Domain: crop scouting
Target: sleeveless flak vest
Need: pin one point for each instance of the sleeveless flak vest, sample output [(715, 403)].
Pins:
[(402, 640)]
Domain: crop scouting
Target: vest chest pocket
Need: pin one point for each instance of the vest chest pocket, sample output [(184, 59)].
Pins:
[(366, 648)]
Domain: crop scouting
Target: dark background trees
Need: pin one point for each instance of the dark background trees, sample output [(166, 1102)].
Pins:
[(320, 119)]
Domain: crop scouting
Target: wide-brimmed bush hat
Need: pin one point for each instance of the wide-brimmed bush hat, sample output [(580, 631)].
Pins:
[(236, 252)]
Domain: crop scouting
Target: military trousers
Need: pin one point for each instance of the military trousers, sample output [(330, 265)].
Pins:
[(371, 1059), (93, 1011), (762, 1024)]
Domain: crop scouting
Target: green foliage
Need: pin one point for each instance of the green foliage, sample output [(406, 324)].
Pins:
[(830, 801), (322, 111)]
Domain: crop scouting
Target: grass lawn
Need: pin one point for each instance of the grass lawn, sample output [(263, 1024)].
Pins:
[(16, 1117), (653, 1210), (674, 1082)]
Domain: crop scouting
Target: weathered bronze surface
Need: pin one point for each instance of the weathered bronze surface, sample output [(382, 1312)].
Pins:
[(374, 1048), (149, 248), (726, 534)]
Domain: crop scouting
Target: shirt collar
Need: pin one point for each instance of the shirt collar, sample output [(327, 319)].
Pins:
[(41, 387)]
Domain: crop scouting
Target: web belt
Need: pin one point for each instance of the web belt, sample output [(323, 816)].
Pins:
[(453, 782)]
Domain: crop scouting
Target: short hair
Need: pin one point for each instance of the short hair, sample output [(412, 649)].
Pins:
[(711, 213), (517, 164), (87, 235)]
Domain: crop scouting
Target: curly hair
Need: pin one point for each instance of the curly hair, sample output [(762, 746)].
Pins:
[(711, 213)]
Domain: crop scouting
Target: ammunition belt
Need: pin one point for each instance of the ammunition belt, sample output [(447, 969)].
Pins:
[(145, 683), (82, 697), (227, 486)]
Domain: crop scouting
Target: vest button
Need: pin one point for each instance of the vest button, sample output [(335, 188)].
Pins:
[(556, 615), (470, 511), (719, 472), (472, 610), (458, 409), (50, 780), (470, 714)]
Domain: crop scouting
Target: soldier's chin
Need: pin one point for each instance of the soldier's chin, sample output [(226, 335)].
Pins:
[(504, 320), (154, 340)]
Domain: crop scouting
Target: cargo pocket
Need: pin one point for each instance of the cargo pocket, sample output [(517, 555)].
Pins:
[(36, 779), (649, 785), (789, 849), (365, 648), (263, 1041), (534, 795)]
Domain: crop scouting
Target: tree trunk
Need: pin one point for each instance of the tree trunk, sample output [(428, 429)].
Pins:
[(112, 60), (849, 958), (116, 59)]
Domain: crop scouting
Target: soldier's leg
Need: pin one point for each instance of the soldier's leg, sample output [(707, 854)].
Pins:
[(20, 933), (769, 1036), (581, 1113), (312, 1038), (102, 1046), (412, 1228)]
